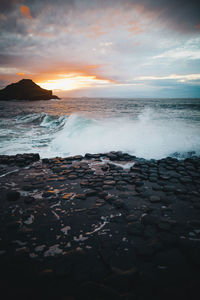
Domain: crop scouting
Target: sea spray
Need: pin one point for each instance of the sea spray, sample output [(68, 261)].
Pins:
[(148, 136), (145, 128)]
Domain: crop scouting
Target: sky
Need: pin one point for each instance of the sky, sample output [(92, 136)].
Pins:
[(102, 48)]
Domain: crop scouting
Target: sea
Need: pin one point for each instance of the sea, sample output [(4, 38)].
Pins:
[(147, 128)]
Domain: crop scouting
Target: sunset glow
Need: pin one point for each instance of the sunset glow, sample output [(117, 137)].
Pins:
[(72, 82), (131, 48)]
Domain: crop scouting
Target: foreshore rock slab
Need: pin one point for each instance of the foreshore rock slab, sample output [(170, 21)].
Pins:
[(99, 226)]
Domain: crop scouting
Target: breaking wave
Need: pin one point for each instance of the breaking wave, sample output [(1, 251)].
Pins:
[(149, 135)]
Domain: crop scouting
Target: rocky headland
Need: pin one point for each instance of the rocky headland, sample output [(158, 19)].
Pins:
[(25, 89), (102, 226)]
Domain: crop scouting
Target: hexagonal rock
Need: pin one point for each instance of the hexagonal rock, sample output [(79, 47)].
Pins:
[(154, 199), (109, 182)]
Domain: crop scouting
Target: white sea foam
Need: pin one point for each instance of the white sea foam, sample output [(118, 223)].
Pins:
[(148, 136)]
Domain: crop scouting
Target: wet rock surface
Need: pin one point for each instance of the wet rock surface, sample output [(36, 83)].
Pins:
[(103, 226)]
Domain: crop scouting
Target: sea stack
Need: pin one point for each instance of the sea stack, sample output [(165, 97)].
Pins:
[(25, 89)]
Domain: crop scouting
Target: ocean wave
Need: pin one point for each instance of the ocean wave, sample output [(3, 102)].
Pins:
[(54, 122), (42, 119), (29, 118), (148, 136)]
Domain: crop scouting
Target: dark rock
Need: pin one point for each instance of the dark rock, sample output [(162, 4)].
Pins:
[(156, 187), (104, 168), (78, 157), (72, 176), (180, 191), (167, 200), (28, 188), (25, 89), (139, 183), (122, 280), (145, 249), (155, 199), (107, 187), (35, 156), (84, 183), (81, 272), (13, 225), (109, 182), (153, 179), (93, 291), (194, 223), (149, 219), (119, 203), (171, 257), (29, 200), (63, 269), (80, 196), (112, 156), (193, 253), (164, 226), (48, 194), (12, 196), (197, 205), (131, 218), (185, 180), (168, 238), (165, 177), (45, 160), (103, 194), (169, 188), (135, 169), (88, 155), (90, 193), (135, 228), (121, 188), (114, 167), (110, 198), (150, 231)]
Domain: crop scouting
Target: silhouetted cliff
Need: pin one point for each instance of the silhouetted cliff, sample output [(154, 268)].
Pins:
[(25, 89)]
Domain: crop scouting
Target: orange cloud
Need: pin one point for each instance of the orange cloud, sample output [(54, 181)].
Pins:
[(72, 82), (197, 26), (134, 27), (81, 77), (25, 11), (57, 69), (63, 76)]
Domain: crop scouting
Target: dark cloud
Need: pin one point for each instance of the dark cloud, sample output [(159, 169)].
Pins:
[(8, 5), (7, 59), (182, 14)]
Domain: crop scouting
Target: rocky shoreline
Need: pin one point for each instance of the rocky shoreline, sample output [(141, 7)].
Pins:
[(102, 226)]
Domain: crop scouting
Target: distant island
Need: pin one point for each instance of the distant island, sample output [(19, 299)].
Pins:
[(26, 89)]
